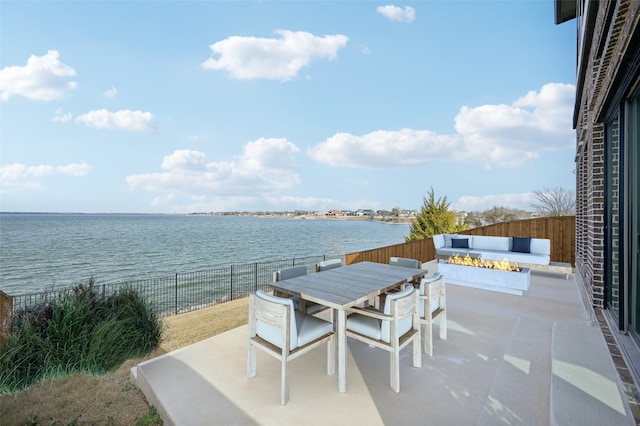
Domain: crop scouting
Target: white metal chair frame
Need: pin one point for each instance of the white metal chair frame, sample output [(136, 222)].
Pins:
[(281, 315), (401, 305), (432, 307)]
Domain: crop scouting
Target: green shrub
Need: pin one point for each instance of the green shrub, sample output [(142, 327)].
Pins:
[(81, 332)]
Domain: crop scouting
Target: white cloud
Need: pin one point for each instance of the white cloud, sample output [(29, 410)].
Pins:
[(265, 167), (44, 78), (496, 135), (111, 93), (470, 203), (398, 14), (382, 149), (74, 169), (513, 135), (133, 121), (17, 171), (62, 117), (249, 58)]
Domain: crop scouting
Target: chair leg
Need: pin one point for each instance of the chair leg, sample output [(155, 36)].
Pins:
[(443, 326), (251, 361), (428, 337), (417, 350), (395, 369), (284, 383)]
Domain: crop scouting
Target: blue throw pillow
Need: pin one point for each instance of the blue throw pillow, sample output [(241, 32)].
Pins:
[(460, 242), (521, 245)]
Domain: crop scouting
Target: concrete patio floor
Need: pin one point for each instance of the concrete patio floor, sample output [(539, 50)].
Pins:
[(536, 359)]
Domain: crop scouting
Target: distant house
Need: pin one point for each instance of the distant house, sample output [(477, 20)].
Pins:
[(607, 122)]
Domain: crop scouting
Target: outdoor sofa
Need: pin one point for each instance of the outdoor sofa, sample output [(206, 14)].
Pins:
[(525, 251)]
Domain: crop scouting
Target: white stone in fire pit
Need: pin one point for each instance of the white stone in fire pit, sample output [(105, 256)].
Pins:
[(511, 282)]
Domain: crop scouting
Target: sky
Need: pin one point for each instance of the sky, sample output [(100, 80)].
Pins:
[(213, 106)]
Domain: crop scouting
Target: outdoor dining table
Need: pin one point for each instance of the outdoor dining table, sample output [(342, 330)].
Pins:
[(345, 287)]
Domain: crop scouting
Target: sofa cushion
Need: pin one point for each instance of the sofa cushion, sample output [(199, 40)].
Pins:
[(438, 241), (483, 242), (521, 245), (541, 246), (460, 243), (448, 251), (448, 238)]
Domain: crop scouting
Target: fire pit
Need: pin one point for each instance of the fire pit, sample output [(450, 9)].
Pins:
[(496, 275)]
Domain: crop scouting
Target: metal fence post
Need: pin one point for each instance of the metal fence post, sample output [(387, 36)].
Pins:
[(231, 285), (255, 276), (176, 295)]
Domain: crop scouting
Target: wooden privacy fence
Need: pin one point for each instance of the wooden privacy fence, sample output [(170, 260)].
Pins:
[(6, 310), (561, 230)]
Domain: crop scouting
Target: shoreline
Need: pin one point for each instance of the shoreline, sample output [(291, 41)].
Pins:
[(404, 220)]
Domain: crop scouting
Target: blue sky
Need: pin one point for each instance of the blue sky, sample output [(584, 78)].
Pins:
[(175, 107)]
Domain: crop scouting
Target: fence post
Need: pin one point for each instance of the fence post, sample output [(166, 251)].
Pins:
[(231, 285), (6, 314), (176, 295), (255, 276)]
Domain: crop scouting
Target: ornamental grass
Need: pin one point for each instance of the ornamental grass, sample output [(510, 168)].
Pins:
[(81, 332)]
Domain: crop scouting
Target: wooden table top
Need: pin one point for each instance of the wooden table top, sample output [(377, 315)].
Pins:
[(349, 285)]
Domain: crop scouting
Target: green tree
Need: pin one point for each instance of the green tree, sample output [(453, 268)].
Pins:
[(434, 218)]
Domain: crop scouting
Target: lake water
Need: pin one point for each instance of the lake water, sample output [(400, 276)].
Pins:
[(44, 251)]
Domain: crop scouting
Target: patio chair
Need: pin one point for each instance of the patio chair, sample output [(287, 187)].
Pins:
[(290, 272), (405, 262), (276, 328), (390, 330), (432, 306), (328, 264), (298, 304)]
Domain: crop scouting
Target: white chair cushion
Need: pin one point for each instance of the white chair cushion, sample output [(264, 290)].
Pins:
[(329, 264), (381, 330), (364, 325), (404, 262), (310, 328)]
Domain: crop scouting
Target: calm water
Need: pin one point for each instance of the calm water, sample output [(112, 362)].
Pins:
[(44, 251)]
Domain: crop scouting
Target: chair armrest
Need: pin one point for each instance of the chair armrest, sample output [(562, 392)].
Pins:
[(368, 312)]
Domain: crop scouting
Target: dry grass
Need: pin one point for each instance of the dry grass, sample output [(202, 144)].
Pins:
[(112, 399)]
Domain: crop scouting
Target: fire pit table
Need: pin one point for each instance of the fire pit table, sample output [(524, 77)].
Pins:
[(487, 278)]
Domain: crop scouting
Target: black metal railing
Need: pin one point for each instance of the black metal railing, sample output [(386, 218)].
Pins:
[(189, 291)]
